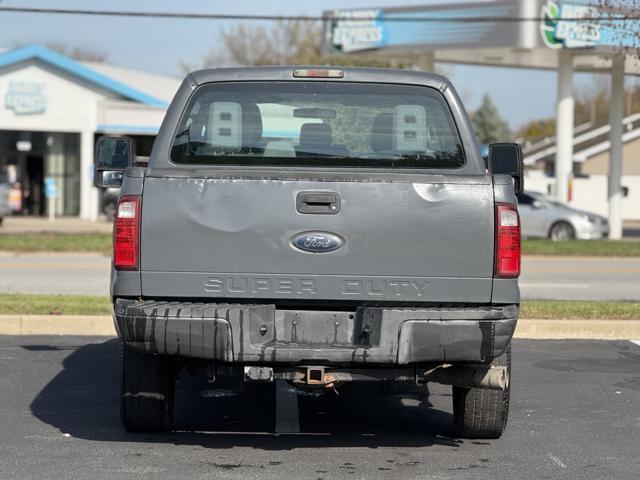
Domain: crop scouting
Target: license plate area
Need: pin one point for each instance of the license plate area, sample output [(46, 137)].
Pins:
[(319, 328)]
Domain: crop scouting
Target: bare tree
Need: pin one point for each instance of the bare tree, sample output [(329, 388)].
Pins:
[(293, 42), (285, 43)]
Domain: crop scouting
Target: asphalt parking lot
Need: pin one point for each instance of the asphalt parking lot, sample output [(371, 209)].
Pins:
[(575, 414)]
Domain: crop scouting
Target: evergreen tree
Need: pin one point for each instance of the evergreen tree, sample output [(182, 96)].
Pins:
[(488, 124)]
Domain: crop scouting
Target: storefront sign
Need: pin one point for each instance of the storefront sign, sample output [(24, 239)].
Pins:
[(446, 27), (23, 146), (25, 98)]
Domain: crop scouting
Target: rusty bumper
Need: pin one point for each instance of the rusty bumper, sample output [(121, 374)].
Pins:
[(264, 334)]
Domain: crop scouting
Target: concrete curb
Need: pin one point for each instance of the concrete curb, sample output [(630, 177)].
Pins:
[(600, 329), (102, 325)]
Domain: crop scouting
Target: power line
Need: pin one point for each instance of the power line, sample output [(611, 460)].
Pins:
[(311, 18)]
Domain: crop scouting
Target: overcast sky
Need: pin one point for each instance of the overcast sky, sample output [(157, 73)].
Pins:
[(158, 45)]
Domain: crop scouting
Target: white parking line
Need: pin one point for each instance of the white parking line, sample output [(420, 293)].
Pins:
[(637, 342)]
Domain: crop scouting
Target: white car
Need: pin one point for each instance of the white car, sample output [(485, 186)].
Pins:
[(545, 217)]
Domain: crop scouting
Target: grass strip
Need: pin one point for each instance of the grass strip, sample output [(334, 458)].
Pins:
[(584, 248), (101, 243), (589, 310), (56, 242), (20, 304)]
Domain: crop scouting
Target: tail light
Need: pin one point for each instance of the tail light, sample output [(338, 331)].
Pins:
[(507, 241), (126, 234)]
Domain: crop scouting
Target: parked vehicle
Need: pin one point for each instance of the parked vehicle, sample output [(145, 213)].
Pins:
[(319, 227), (545, 217), (4, 199), (109, 202)]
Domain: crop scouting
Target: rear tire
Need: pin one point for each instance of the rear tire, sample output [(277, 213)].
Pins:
[(482, 413), (147, 390)]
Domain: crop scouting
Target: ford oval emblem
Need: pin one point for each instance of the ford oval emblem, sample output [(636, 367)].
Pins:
[(317, 242)]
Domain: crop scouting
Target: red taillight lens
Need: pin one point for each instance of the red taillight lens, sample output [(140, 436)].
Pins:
[(126, 234), (507, 241)]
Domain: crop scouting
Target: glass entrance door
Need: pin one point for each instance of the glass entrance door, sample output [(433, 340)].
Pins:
[(33, 156)]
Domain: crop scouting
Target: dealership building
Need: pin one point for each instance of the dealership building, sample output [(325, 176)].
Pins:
[(53, 109)]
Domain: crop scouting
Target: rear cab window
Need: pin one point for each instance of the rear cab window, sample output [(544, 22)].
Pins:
[(314, 123)]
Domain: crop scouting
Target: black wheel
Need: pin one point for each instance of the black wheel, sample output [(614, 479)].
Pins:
[(482, 413), (147, 390), (562, 231)]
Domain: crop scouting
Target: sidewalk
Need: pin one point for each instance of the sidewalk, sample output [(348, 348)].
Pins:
[(102, 325), (14, 225)]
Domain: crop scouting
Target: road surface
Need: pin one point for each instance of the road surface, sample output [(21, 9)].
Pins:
[(51, 273), (543, 277), (574, 414), (594, 278)]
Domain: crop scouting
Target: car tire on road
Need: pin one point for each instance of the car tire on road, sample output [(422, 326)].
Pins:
[(482, 413), (147, 391), (560, 231)]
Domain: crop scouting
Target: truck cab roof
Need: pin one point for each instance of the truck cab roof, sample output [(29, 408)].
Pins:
[(350, 74)]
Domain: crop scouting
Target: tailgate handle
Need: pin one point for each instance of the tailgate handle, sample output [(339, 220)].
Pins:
[(326, 203)]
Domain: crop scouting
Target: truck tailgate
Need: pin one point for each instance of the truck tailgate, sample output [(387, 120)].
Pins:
[(402, 241)]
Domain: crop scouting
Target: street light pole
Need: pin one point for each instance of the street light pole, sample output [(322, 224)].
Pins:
[(564, 126), (616, 113)]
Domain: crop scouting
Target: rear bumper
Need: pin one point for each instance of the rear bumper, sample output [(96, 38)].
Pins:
[(265, 335)]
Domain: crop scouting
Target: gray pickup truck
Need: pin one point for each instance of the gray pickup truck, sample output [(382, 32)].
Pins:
[(315, 226)]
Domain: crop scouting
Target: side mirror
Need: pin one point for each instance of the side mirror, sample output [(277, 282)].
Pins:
[(113, 156), (506, 159), (537, 204)]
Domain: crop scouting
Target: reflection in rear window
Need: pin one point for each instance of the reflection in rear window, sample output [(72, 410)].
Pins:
[(318, 123)]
